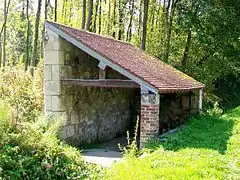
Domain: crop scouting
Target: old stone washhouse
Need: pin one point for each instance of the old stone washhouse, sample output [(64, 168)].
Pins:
[(99, 86)]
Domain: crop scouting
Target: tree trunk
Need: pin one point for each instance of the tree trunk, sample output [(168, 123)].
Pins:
[(36, 34), (46, 10), (43, 30), (100, 17), (140, 20), (4, 34), (70, 12), (114, 18), (28, 37), (120, 20), (83, 14), (95, 17), (129, 30), (0, 52), (63, 9), (144, 31), (153, 10), (90, 12), (169, 29), (186, 49), (55, 11), (109, 17)]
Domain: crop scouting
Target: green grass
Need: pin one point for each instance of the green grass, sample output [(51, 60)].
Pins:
[(207, 148)]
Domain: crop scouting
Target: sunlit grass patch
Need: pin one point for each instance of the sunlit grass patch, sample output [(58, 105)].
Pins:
[(207, 148)]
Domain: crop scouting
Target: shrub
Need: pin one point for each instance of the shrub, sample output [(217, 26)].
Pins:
[(22, 92), (33, 151), (215, 111)]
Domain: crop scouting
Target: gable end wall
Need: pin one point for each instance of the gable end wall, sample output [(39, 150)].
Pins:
[(88, 114)]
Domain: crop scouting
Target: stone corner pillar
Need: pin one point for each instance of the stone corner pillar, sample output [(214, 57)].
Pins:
[(53, 61), (149, 117)]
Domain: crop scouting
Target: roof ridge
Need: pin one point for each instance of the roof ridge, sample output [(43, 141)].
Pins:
[(91, 33)]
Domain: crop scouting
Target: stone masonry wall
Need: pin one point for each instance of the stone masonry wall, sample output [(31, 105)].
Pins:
[(89, 114)]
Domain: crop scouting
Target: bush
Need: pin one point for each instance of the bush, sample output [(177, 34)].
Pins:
[(22, 92), (33, 151)]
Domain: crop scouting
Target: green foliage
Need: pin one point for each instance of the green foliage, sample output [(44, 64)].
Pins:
[(4, 126), (131, 150), (207, 148), (215, 111), (214, 45), (32, 151), (22, 92)]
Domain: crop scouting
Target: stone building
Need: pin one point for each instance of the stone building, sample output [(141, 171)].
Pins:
[(100, 86)]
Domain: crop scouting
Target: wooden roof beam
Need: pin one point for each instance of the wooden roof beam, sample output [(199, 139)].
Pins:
[(114, 83)]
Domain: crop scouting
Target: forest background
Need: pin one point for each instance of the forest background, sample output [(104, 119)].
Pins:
[(200, 38)]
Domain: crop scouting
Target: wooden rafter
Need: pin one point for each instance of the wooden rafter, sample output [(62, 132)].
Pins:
[(116, 83)]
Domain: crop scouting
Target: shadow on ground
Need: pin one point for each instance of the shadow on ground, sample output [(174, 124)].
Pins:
[(207, 132)]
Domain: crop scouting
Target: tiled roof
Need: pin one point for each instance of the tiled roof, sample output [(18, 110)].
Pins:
[(150, 69)]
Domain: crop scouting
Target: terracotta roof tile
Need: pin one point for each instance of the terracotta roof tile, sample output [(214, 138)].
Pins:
[(154, 71)]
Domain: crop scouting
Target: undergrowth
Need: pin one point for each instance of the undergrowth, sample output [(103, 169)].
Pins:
[(22, 92), (33, 151)]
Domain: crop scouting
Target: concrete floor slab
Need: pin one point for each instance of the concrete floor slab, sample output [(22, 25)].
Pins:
[(107, 153), (102, 157)]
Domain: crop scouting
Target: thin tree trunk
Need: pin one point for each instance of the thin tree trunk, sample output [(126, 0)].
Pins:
[(1, 51), (4, 31), (28, 35), (55, 11), (189, 38), (83, 14), (5, 20), (140, 20), (129, 30), (114, 19), (46, 10), (36, 34), (43, 30), (64, 12), (100, 17), (70, 12), (169, 30), (109, 17), (90, 12), (4, 34), (63, 9), (95, 17), (158, 15), (153, 16), (120, 21), (186, 49), (144, 31)]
